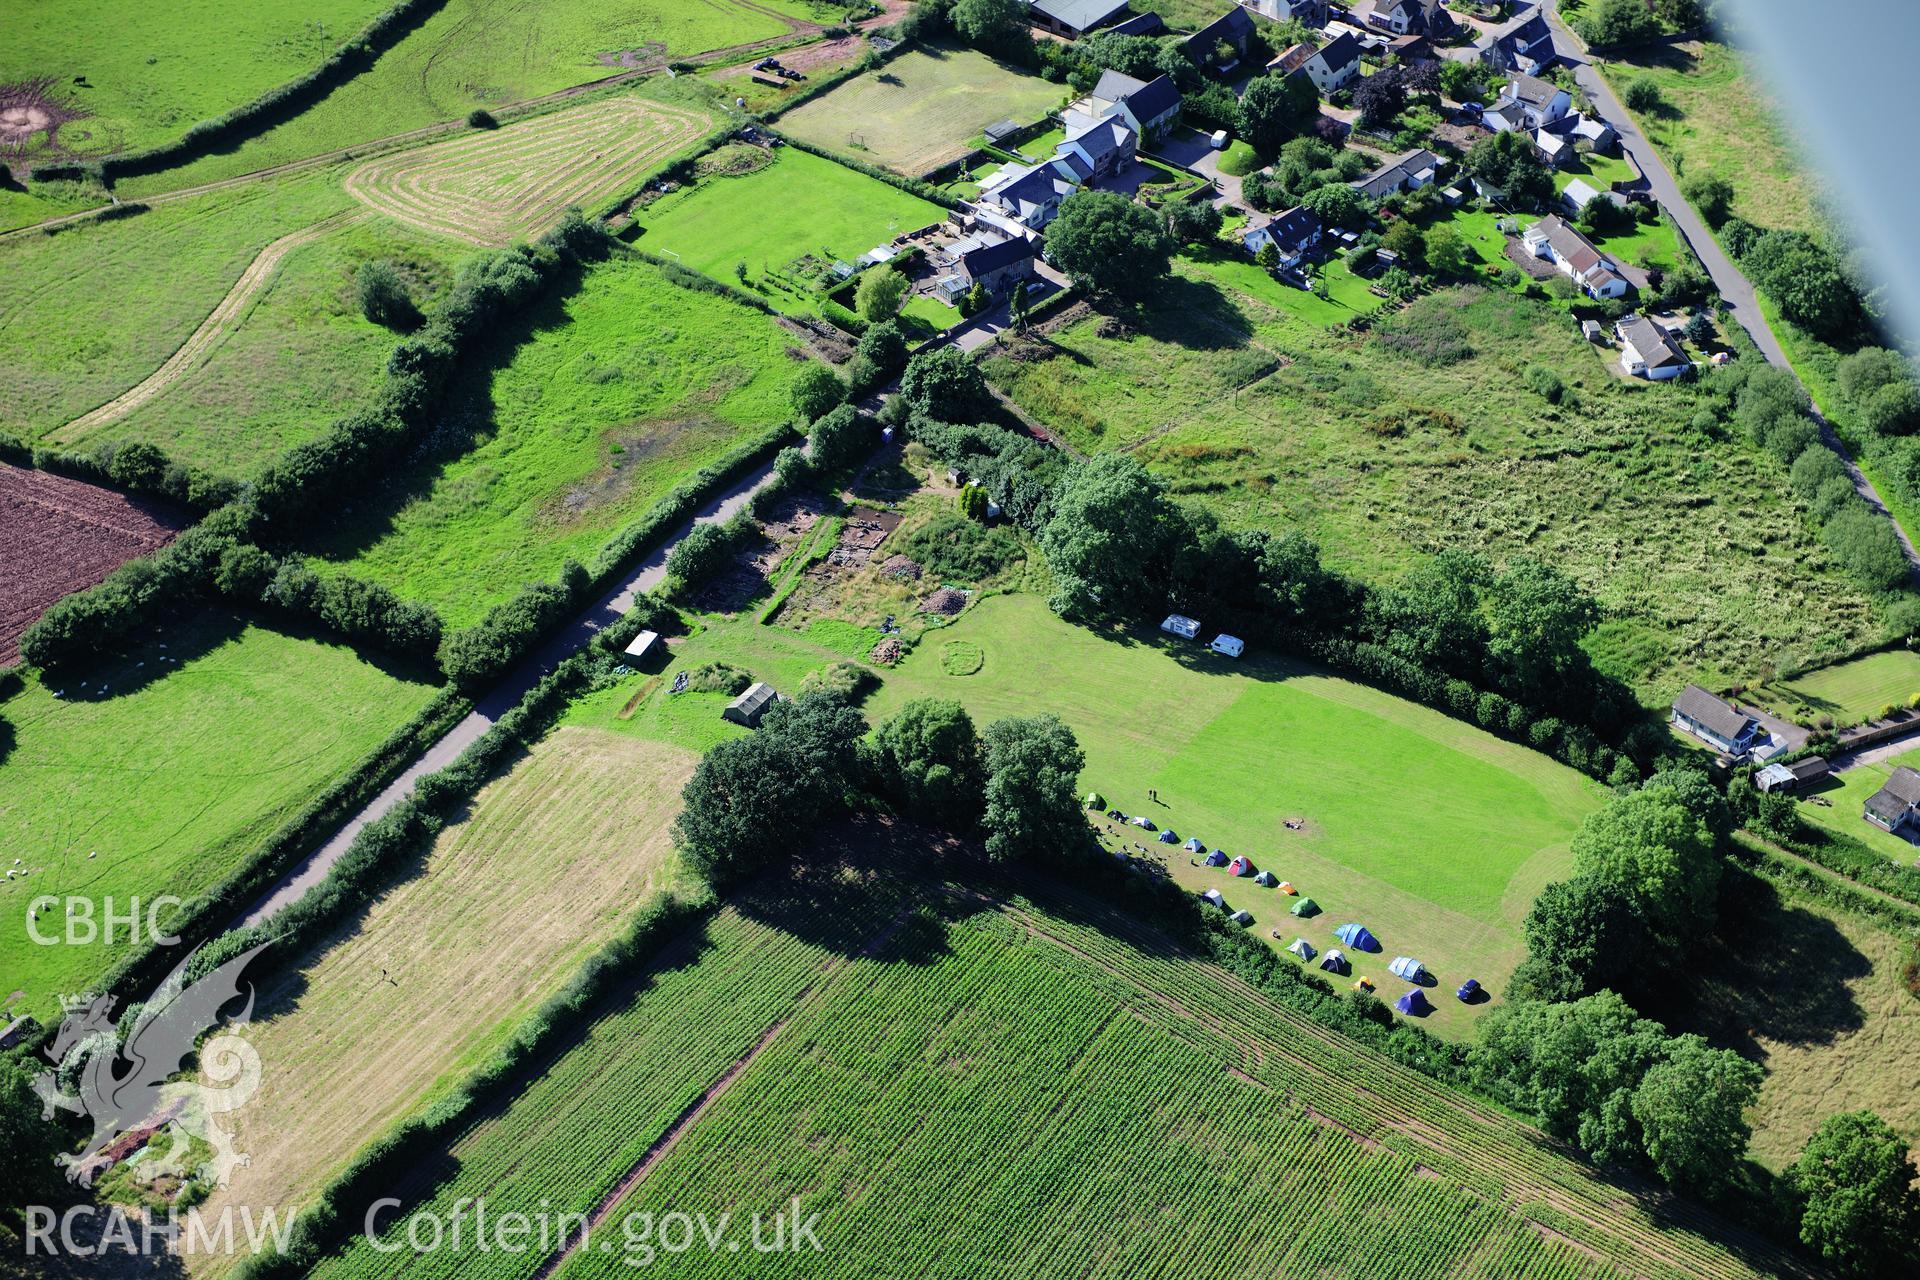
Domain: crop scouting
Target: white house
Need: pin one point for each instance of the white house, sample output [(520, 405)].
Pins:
[(1526, 104), (1716, 722), (1334, 65), (1552, 240), (1648, 351), (1293, 234), (1524, 44), (1150, 107)]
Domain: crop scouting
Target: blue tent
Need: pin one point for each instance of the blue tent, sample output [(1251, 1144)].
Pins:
[(1414, 1002), (1356, 935), (1468, 989), (1193, 844), (1168, 837), (1216, 859), (1334, 962)]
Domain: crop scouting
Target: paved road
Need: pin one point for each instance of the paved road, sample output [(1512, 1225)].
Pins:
[(1732, 283), (647, 575)]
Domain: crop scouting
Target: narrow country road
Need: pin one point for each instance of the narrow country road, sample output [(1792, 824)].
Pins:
[(648, 574), (1732, 283)]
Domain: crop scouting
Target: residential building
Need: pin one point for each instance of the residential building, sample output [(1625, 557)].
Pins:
[(1412, 50), (1074, 18), (1413, 169), (1289, 60), (1097, 150), (1555, 150), (1029, 195), (1151, 107), (1524, 43), (1526, 104), (1800, 776), (1552, 240), (1232, 30), (1294, 234), (1403, 17), (997, 266), (1648, 351), (1895, 807), (1145, 24), (1717, 722), (1313, 14), (1334, 65)]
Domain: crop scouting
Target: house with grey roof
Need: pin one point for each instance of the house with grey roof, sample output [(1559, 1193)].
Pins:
[(1222, 43), (1895, 807), (1405, 172), (1717, 722), (1074, 18), (1527, 103), (1293, 234), (1648, 351), (1405, 17), (1334, 65), (1151, 107), (1524, 43)]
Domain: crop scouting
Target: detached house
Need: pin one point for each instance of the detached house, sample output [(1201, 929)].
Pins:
[(1150, 107), (1895, 807), (1232, 30), (1524, 44), (1718, 723), (1648, 351), (1405, 17), (1411, 170), (1074, 18), (1098, 150), (1552, 240), (1527, 104), (1294, 234), (1313, 14), (1334, 65), (1029, 195)]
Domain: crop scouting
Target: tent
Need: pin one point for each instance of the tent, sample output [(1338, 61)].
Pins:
[(1334, 962), (1193, 844), (1407, 967), (1357, 937), (1363, 984), (1168, 837), (1145, 824), (1286, 887), (1095, 800), (1306, 907), (1302, 948), (1242, 918), (1414, 1002), (1240, 866), (1216, 859), (1267, 879), (1468, 990), (1213, 896)]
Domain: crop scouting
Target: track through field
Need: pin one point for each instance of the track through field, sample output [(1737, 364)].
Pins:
[(494, 187)]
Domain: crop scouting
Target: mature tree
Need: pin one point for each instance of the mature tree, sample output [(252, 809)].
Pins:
[(1033, 768), (1643, 95), (1274, 109), (1855, 1182), (1407, 241), (1536, 618), (1691, 1107), (1337, 205), (1618, 22), (884, 346), (1463, 80), (1109, 244), (383, 295), (994, 25), (706, 549), (1447, 253), (1653, 849), (839, 439), (1432, 616), (945, 384), (880, 293), (929, 758), (1712, 195), (816, 390), (1193, 221), (1692, 788), (749, 798), (1880, 387), (28, 1147), (1380, 97), (1268, 256), (1507, 161), (1866, 546), (1294, 585), (1110, 538), (1583, 936)]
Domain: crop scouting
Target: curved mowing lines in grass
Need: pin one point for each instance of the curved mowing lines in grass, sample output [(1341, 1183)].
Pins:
[(492, 188)]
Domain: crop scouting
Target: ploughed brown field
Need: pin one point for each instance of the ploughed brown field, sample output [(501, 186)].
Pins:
[(59, 535)]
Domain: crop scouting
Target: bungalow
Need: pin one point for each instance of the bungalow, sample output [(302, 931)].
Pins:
[(1150, 107), (749, 707), (1294, 234), (1074, 18), (1648, 351), (1716, 722), (1418, 17), (1207, 47), (1414, 169), (1895, 807), (1552, 240), (1334, 64), (1526, 104), (1801, 775), (1524, 44)]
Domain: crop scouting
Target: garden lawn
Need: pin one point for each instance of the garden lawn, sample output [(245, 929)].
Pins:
[(163, 68), (1849, 692), (92, 311), (922, 110), (1423, 435), (172, 767), (1842, 807), (826, 212), (302, 356), (616, 392)]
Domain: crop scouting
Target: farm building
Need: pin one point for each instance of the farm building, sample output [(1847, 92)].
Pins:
[(1145, 24), (1714, 721), (642, 647), (1801, 775), (1895, 807), (749, 707), (1074, 18)]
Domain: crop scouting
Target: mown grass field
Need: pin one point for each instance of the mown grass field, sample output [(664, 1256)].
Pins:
[(1175, 1121), (1849, 691), (1842, 805), (922, 110), (825, 212), (302, 355), (1435, 835), (604, 401), (481, 53), (164, 69), (399, 1004), (168, 769), (92, 311), (1423, 435)]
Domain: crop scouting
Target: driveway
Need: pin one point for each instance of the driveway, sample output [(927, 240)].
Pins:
[(1733, 285), (990, 324)]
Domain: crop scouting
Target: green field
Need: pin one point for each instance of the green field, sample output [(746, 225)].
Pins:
[(609, 398), (164, 68), (1838, 808), (1433, 833), (168, 769), (481, 53), (878, 1062), (91, 312), (1850, 692), (923, 109), (826, 213), (1424, 435)]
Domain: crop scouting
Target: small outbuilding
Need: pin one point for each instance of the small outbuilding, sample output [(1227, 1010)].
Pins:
[(1179, 624), (1801, 775), (642, 647), (1231, 646), (1414, 1003), (749, 707)]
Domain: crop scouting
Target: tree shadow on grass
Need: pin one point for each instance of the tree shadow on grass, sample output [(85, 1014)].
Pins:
[(1192, 314)]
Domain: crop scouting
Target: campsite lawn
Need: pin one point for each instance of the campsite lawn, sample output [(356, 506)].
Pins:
[(550, 860), (1423, 434), (568, 429), (827, 213), (1850, 692), (1433, 833), (172, 767), (922, 110)]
